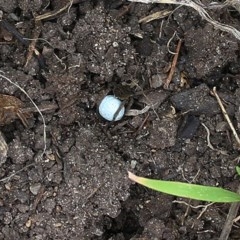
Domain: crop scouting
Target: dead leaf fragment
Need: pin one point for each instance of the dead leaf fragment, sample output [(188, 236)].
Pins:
[(155, 16)]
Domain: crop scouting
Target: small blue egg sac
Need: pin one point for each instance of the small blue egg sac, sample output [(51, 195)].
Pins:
[(109, 106)]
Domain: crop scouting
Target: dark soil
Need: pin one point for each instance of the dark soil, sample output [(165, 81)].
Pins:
[(80, 189)]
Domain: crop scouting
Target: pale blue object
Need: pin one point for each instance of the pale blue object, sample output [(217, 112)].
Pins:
[(109, 106)]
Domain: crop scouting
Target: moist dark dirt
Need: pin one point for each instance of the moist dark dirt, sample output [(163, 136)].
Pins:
[(80, 188)]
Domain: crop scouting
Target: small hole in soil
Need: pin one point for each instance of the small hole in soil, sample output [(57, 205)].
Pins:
[(42, 80), (224, 78), (234, 13), (112, 4), (18, 11), (8, 132), (126, 224)]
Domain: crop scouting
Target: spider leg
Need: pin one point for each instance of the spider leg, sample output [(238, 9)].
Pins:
[(22, 118), (129, 105)]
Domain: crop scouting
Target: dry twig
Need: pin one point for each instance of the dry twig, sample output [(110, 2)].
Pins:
[(173, 66), (226, 116), (15, 173), (32, 46), (230, 219), (209, 144), (234, 206), (55, 12), (154, 16)]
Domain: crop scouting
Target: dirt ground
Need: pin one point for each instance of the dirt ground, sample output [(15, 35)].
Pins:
[(80, 189)]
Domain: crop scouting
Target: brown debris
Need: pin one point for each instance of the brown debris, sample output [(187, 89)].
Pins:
[(55, 12), (173, 66), (155, 16), (32, 46)]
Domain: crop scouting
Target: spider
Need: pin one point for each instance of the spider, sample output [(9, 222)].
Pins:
[(10, 109)]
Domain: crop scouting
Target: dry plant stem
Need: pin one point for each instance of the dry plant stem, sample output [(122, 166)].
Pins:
[(154, 16), (233, 3), (38, 199), (200, 8), (230, 219), (42, 108), (236, 219), (13, 174), (142, 124), (226, 116), (39, 39), (234, 206), (54, 13), (173, 66), (136, 112), (209, 144), (6, 43), (32, 46), (168, 44), (70, 5), (223, 152), (34, 104)]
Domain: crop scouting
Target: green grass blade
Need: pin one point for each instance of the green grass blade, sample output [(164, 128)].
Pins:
[(187, 190), (238, 170)]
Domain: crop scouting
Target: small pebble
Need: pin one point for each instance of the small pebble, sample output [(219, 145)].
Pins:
[(221, 127), (28, 224), (34, 188), (133, 164), (109, 106), (157, 80)]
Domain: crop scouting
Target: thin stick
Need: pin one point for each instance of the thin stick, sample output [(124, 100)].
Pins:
[(173, 66), (230, 219), (39, 39), (34, 104), (54, 13), (234, 206), (209, 144), (13, 174), (226, 116), (32, 46), (70, 5), (168, 44)]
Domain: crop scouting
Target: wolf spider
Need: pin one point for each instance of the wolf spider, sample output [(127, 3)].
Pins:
[(11, 109)]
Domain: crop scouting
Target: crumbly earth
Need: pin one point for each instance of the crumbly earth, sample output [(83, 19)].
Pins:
[(80, 189)]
